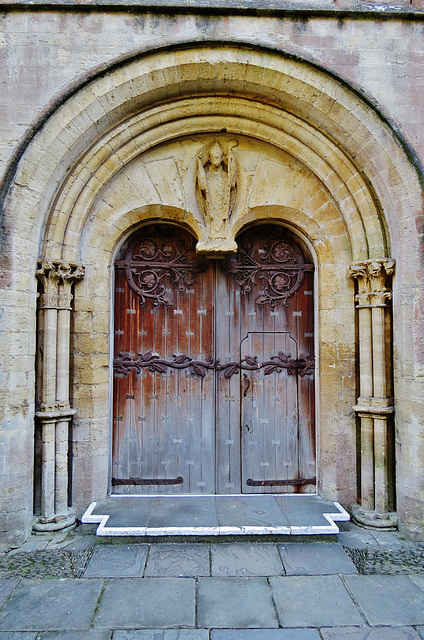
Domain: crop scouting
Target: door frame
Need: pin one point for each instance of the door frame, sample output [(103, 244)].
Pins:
[(260, 221)]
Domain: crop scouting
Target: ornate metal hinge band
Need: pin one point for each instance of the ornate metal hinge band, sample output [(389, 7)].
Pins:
[(280, 266), (126, 361), (149, 264), (116, 482), (275, 483)]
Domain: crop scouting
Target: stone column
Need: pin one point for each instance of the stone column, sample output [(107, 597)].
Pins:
[(374, 405), (55, 414)]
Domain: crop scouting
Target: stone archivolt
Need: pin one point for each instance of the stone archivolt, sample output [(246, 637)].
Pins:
[(97, 186)]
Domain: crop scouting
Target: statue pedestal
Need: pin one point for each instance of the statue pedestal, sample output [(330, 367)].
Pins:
[(218, 248)]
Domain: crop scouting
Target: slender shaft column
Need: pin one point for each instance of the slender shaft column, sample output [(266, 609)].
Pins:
[(379, 272), (374, 406), (62, 391), (55, 413), (360, 273), (382, 483), (61, 466), (47, 469)]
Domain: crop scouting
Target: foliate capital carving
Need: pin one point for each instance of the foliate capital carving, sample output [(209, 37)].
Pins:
[(373, 285), (57, 277)]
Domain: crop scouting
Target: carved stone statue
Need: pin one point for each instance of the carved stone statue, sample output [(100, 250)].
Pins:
[(216, 182)]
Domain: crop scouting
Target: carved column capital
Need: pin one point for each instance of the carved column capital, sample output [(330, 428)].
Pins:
[(57, 277), (379, 271), (49, 277), (372, 276), (359, 271)]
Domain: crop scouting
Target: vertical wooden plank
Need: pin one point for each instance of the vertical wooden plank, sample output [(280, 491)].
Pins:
[(228, 307)]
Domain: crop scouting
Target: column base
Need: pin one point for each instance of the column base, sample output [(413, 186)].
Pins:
[(57, 523), (373, 520)]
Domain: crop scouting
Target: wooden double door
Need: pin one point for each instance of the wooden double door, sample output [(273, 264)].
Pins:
[(213, 365)]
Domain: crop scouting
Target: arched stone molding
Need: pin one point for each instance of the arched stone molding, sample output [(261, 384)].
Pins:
[(57, 206), (338, 174)]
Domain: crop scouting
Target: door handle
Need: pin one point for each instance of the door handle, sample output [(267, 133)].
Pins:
[(247, 387)]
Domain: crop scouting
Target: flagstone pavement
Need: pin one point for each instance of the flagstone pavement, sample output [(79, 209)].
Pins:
[(212, 590)]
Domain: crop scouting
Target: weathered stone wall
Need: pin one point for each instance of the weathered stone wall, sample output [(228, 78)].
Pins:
[(46, 55)]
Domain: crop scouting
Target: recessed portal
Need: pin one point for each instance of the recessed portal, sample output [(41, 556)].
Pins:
[(213, 365)]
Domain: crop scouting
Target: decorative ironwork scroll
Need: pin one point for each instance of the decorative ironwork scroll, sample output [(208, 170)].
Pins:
[(149, 263), (125, 362), (279, 265)]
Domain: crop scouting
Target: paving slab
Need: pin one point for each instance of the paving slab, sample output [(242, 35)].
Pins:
[(368, 633), (34, 543), (249, 511), (136, 509), (58, 541), (246, 560), (17, 635), (160, 634), (235, 602), (387, 540), (264, 634), (116, 561), (46, 605), (183, 511), (418, 580), (315, 559), (178, 560), (421, 631), (75, 635), (354, 537), (388, 600), (147, 603), (311, 512), (7, 586), (313, 601)]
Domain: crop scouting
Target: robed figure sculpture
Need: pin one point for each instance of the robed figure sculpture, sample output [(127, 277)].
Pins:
[(216, 181)]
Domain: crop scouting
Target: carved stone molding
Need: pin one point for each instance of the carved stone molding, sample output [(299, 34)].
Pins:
[(57, 277), (372, 277)]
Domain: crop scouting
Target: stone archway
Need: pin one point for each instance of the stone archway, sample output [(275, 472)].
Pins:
[(131, 145)]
